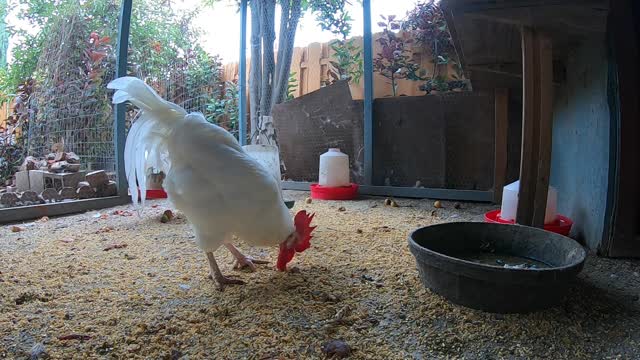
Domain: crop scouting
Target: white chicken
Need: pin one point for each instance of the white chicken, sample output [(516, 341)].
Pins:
[(224, 193)]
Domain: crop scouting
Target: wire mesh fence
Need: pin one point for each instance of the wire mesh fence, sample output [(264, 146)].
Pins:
[(63, 125), (70, 104)]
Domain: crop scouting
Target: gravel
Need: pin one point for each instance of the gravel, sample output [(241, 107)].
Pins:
[(63, 296)]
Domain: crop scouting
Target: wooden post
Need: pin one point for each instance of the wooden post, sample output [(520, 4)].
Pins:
[(537, 115), (501, 135)]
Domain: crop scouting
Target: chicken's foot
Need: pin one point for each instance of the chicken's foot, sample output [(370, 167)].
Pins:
[(221, 280), (243, 261)]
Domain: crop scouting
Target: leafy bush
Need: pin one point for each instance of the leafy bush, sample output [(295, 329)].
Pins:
[(395, 60)]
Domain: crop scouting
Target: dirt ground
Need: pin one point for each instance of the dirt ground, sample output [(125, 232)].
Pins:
[(63, 296)]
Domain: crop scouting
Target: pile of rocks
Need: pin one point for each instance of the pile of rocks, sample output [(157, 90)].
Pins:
[(58, 162), (95, 184)]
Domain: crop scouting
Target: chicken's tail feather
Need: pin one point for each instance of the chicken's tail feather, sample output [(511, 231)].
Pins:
[(147, 135)]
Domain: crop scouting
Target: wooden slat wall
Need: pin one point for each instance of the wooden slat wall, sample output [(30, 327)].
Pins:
[(310, 64)]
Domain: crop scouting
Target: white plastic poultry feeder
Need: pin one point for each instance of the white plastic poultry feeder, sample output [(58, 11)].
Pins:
[(334, 169), (510, 203), (333, 182)]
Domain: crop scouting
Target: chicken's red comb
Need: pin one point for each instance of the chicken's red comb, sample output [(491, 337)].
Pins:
[(302, 222)]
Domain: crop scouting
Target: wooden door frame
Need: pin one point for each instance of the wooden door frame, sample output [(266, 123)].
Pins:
[(621, 228)]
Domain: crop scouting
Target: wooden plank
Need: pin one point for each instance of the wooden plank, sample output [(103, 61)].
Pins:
[(16, 214), (296, 67), (544, 95), (314, 76), (528, 154), (501, 133), (407, 192), (621, 236)]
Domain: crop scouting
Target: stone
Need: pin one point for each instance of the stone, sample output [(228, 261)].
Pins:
[(85, 192), (29, 163), (30, 198), (73, 167), (97, 178), (67, 193), (9, 199), (59, 166), (22, 181), (60, 157), (108, 189), (38, 351), (336, 349), (50, 195), (72, 158)]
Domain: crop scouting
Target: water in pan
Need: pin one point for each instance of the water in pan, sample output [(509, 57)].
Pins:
[(503, 260)]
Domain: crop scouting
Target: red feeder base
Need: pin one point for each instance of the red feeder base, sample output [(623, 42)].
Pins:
[(155, 194), (561, 226), (334, 193)]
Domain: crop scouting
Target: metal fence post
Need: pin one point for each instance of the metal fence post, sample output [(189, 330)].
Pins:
[(368, 93), (242, 76), (120, 109)]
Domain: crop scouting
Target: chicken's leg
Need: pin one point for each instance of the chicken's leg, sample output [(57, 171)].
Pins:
[(243, 261), (220, 279)]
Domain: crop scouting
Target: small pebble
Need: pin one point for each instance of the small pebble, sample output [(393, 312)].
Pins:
[(342, 208), (336, 349), (437, 204), (38, 351), (308, 200), (166, 216), (387, 202), (359, 231), (16, 229), (457, 205), (176, 354), (394, 203)]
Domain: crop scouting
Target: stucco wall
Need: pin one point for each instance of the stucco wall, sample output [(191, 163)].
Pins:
[(580, 157)]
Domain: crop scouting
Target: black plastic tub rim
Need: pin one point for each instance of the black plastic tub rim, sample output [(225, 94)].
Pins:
[(578, 262)]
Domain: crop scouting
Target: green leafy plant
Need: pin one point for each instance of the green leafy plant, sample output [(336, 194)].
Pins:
[(292, 86), (347, 62), (427, 24), (395, 61), (223, 111)]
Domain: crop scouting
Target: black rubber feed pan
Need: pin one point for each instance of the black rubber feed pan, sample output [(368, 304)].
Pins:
[(496, 268)]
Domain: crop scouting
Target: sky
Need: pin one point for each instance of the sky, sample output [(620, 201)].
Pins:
[(221, 24)]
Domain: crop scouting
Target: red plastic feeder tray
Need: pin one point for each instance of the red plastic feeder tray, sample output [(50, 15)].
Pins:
[(561, 226), (334, 193), (155, 194)]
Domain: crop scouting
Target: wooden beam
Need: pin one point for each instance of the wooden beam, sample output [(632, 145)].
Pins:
[(537, 115), (501, 134), (528, 151), (544, 96)]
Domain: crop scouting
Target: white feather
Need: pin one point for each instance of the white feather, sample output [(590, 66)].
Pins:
[(209, 177)]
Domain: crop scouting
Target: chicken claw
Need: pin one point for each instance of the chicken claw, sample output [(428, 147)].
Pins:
[(243, 261), (221, 280), (247, 261)]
